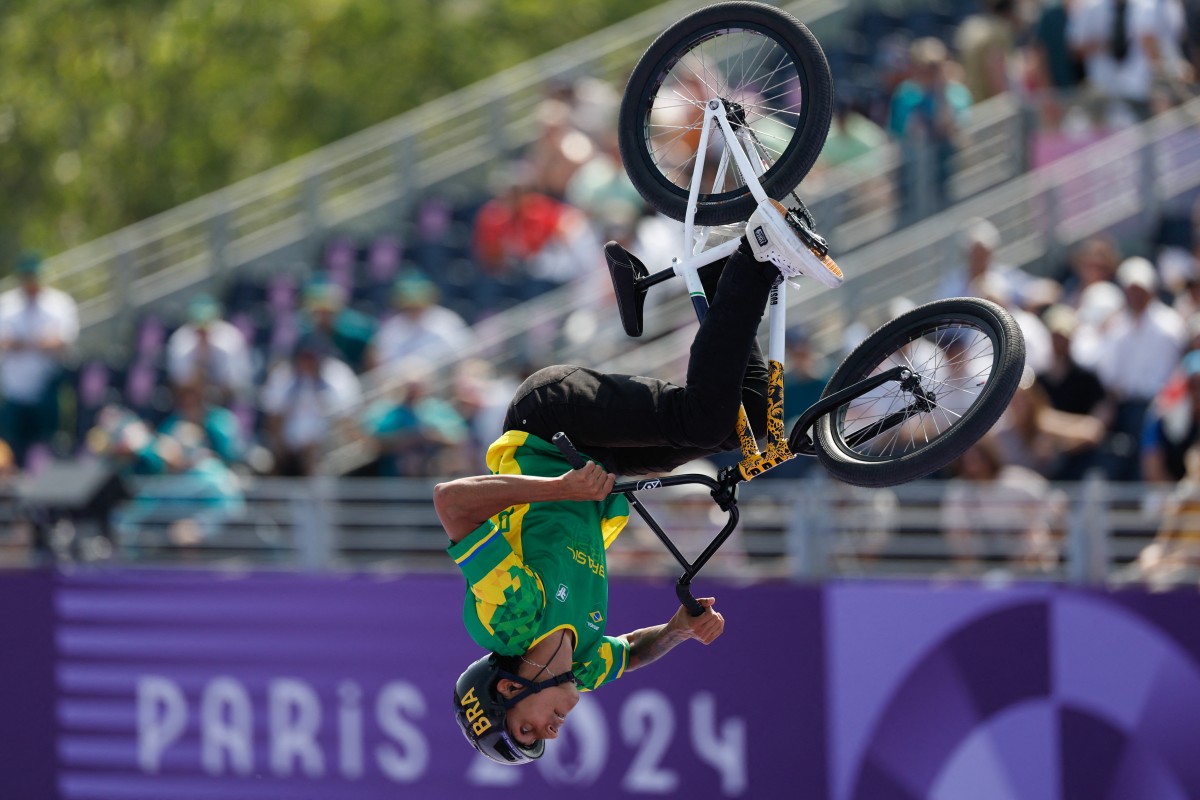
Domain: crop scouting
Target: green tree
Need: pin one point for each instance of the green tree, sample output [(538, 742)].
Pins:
[(114, 110)]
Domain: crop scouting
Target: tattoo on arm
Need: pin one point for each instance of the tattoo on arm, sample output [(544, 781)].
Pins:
[(650, 644)]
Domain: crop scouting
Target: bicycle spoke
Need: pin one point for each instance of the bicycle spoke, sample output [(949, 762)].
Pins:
[(892, 420), (740, 66)]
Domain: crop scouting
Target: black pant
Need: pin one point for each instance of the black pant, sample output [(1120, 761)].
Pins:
[(637, 425)]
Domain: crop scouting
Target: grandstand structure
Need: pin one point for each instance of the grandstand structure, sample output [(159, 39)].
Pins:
[(370, 181)]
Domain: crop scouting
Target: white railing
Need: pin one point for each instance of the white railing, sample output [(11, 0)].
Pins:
[(807, 528)]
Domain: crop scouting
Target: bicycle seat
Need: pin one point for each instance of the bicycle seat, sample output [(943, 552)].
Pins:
[(627, 273)]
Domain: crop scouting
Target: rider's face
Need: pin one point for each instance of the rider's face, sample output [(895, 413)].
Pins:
[(541, 715)]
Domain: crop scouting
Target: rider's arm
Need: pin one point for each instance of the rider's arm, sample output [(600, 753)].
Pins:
[(650, 644), (464, 504)]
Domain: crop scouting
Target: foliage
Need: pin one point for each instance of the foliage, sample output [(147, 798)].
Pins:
[(114, 110)]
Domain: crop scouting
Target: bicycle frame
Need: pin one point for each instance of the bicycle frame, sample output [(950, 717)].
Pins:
[(779, 448), (754, 461)]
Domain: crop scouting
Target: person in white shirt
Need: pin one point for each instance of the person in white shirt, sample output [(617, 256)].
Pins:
[(37, 326), (210, 351), (421, 330), (304, 399), (1138, 353), (978, 240), (1126, 46)]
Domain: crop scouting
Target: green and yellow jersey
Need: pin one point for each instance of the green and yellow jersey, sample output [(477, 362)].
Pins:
[(536, 568)]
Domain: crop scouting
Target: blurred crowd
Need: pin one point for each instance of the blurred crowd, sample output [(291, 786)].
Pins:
[(262, 378)]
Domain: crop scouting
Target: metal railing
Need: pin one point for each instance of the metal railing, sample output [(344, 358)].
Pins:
[(809, 528)]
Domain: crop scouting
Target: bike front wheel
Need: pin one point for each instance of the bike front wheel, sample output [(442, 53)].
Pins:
[(770, 73), (964, 358)]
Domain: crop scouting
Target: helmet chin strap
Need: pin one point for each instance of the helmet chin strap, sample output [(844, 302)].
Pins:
[(534, 687)]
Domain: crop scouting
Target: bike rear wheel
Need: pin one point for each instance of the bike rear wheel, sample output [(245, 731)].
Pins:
[(770, 72), (966, 357)]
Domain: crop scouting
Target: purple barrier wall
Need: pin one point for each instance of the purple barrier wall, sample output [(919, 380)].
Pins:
[(198, 686), (26, 686), (190, 686), (1029, 693)]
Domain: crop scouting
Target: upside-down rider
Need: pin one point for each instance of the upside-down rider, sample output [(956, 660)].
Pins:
[(530, 537)]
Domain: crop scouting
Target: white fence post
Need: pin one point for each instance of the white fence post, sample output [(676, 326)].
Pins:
[(312, 519), (809, 531), (1088, 534)]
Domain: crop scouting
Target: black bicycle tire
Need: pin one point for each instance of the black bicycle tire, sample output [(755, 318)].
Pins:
[(799, 156), (1007, 366)]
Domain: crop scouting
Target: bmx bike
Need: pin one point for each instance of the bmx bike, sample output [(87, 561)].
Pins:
[(726, 110)]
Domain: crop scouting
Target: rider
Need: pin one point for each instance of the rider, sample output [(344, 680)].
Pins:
[(530, 538)]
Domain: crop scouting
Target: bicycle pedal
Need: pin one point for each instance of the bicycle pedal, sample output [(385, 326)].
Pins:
[(627, 272), (812, 240)]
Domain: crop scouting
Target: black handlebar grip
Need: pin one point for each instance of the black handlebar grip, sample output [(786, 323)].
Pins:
[(689, 602), (563, 443)]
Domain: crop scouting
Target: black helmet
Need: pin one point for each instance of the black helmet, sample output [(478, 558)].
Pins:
[(481, 710)]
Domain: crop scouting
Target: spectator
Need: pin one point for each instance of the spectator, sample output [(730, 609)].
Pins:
[(1187, 302), (38, 324), (994, 512), (417, 434), (480, 397), (1038, 348), (1035, 435), (978, 240), (857, 144), (985, 42), (1052, 62), (602, 189), (1094, 260), (199, 496), (511, 230), (421, 331), (1173, 428), (1138, 354), (348, 332), (807, 373), (1069, 387), (1100, 305), (209, 350), (853, 139), (926, 113), (560, 148), (1174, 555), (1127, 45), (130, 446), (16, 538), (218, 427), (305, 398)]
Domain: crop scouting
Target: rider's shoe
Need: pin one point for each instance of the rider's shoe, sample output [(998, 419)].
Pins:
[(626, 272), (776, 235)]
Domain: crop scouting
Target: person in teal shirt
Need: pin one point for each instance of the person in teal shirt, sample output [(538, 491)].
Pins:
[(926, 113), (347, 330)]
